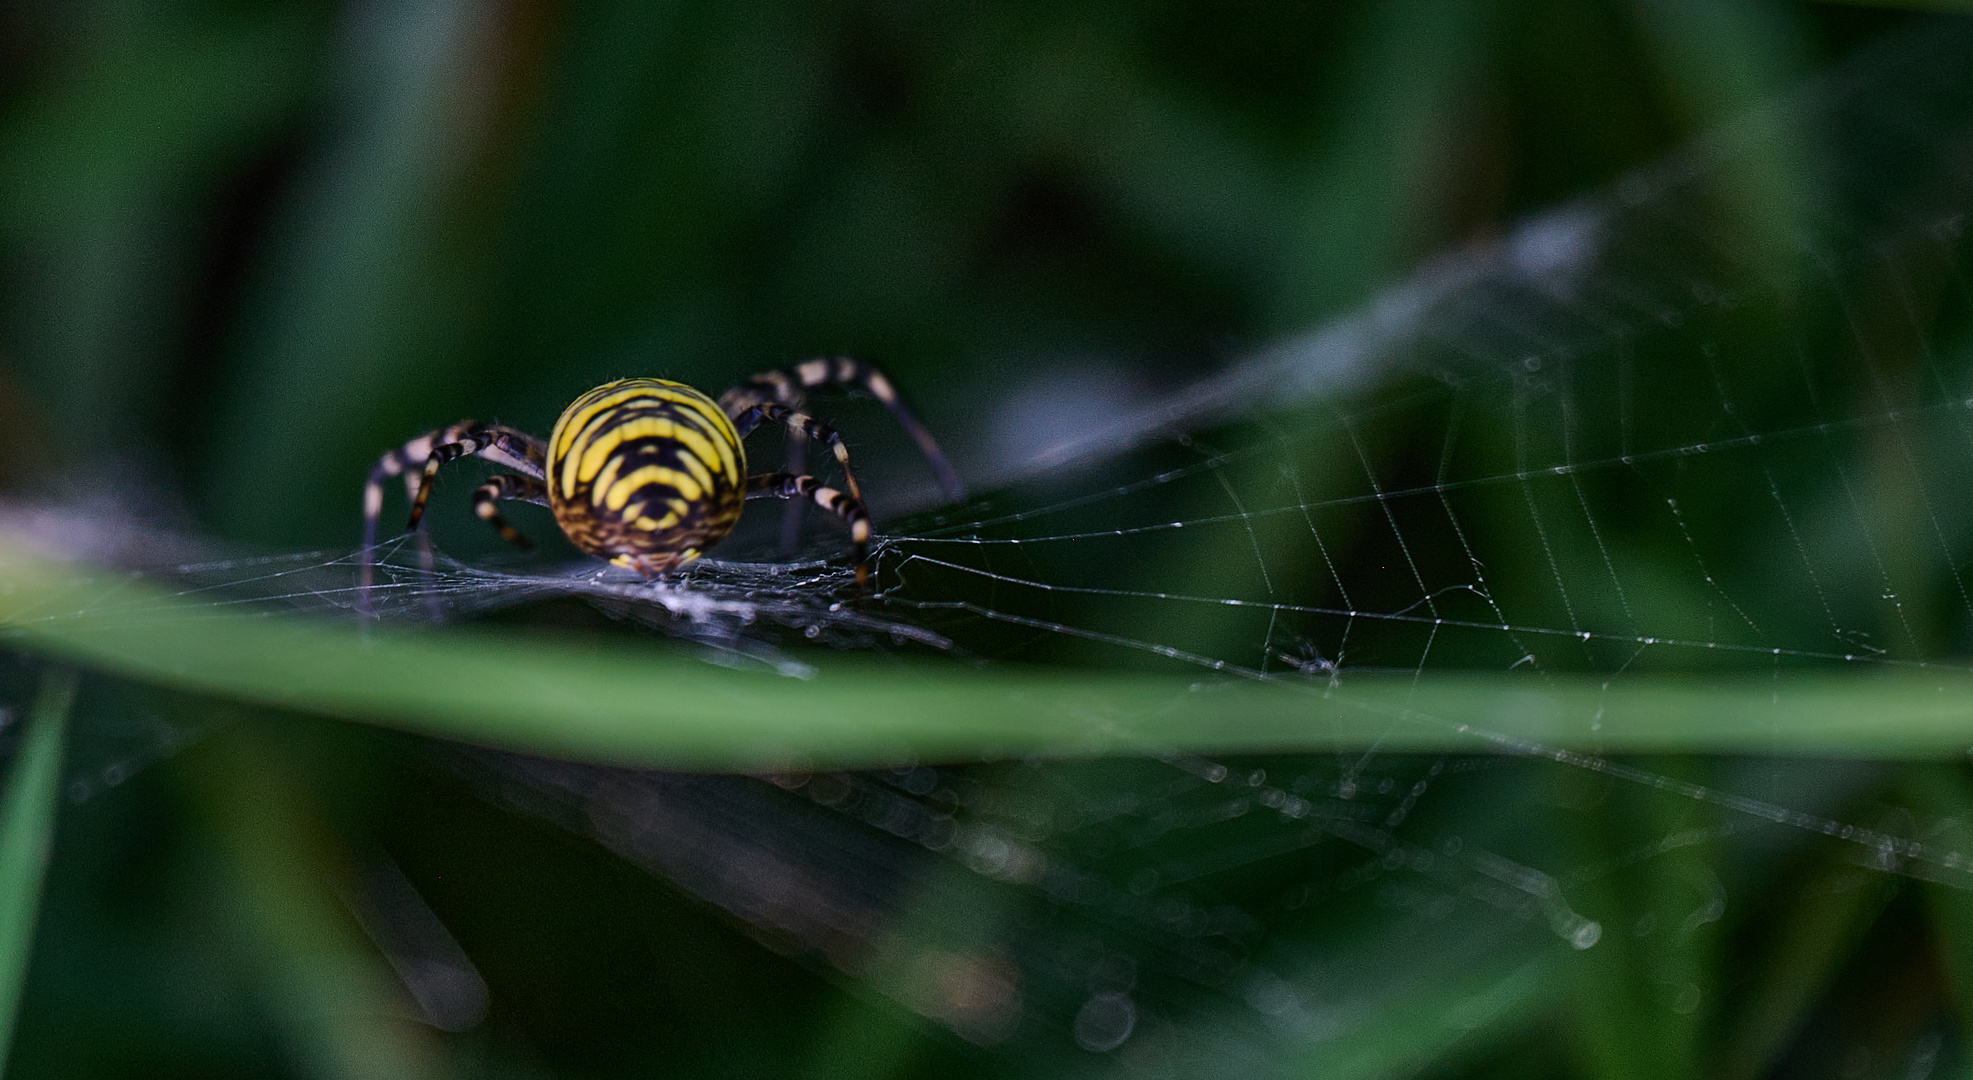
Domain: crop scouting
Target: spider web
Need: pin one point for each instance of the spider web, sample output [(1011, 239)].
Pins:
[(1646, 431)]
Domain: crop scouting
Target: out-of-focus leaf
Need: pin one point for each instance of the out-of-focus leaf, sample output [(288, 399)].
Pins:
[(154, 111), (104, 177), (342, 1012), (27, 831), (1944, 791), (351, 290), (611, 699), (1722, 60), (1408, 83), (1448, 1018), (1641, 995), (1822, 924)]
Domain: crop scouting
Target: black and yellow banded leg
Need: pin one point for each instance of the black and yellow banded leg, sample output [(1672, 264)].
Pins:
[(405, 461), (847, 508), (502, 445), (804, 426), (782, 388), (786, 387), (498, 445), (508, 488)]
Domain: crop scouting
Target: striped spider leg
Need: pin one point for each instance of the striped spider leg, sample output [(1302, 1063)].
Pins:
[(647, 473), (419, 458), (846, 506), (788, 388)]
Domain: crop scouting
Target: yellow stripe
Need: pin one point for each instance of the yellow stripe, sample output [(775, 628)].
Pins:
[(689, 456), (580, 466), (697, 449), (716, 421), (713, 450), (562, 439), (660, 525), (594, 423), (583, 438), (577, 440), (621, 492), (718, 424), (579, 423), (602, 459), (606, 442), (604, 479)]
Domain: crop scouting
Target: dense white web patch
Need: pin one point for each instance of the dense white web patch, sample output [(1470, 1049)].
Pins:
[(1650, 442)]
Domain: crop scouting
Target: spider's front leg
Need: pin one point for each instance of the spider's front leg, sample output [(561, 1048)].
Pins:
[(508, 488), (788, 389), (847, 508)]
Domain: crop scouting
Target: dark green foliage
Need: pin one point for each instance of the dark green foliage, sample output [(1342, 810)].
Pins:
[(1609, 786)]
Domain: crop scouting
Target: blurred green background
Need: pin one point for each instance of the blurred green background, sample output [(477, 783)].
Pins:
[(244, 247), (249, 245)]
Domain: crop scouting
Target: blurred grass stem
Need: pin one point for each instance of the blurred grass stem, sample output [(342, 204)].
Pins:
[(27, 831)]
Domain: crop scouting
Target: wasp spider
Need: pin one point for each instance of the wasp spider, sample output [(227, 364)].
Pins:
[(649, 473)]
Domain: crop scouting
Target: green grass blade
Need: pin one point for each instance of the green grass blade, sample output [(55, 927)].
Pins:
[(1819, 926), (1945, 793), (1462, 1015), (340, 1011), (616, 698), (27, 831)]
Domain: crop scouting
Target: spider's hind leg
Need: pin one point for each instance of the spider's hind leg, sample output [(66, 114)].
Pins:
[(847, 508), (414, 462), (500, 445), (404, 462)]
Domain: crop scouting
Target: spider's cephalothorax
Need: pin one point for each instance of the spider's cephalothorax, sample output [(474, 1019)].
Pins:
[(650, 473)]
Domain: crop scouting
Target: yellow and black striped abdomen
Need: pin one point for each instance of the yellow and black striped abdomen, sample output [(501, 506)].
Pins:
[(645, 472)]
